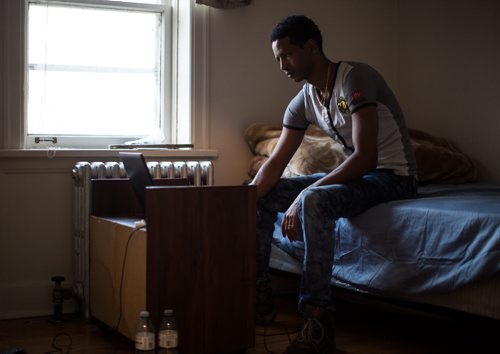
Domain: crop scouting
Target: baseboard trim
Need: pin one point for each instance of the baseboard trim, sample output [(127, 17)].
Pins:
[(30, 300)]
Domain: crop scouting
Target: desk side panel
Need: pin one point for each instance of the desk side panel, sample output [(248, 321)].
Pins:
[(201, 263), (109, 258)]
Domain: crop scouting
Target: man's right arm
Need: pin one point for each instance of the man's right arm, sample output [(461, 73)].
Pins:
[(273, 168)]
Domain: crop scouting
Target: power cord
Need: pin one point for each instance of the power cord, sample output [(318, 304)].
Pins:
[(139, 225), (273, 334), (60, 346)]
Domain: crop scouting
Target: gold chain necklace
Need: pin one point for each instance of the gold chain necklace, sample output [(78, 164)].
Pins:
[(326, 93), (325, 96)]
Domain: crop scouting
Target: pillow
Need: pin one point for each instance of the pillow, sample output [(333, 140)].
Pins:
[(438, 160), (317, 153)]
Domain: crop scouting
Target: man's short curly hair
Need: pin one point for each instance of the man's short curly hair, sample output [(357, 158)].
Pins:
[(299, 29)]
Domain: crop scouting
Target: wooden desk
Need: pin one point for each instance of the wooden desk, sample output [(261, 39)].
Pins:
[(201, 263)]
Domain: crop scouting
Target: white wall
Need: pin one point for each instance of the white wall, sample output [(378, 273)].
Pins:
[(440, 57), (449, 73), (36, 233), (246, 83)]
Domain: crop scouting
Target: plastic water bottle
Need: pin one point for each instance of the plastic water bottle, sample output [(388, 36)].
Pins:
[(167, 335), (144, 334)]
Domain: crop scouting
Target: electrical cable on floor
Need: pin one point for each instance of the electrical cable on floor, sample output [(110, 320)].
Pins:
[(120, 310), (59, 346), (64, 348), (265, 335)]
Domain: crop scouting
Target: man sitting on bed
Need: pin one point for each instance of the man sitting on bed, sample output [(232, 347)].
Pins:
[(352, 103)]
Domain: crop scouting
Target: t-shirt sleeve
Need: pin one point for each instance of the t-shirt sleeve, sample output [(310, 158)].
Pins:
[(360, 87), (295, 114)]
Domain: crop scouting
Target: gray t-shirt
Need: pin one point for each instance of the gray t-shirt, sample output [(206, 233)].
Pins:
[(356, 86)]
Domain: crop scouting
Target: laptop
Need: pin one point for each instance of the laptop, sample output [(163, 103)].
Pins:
[(138, 174)]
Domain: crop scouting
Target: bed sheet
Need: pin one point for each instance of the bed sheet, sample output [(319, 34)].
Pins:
[(446, 238)]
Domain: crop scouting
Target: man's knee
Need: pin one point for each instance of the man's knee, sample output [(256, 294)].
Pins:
[(321, 202), (310, 198), (322, 196)]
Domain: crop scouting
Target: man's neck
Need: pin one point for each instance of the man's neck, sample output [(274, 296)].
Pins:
[(319, 73), (322, 75)]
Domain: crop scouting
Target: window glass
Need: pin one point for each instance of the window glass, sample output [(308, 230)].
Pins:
[(94, 71)]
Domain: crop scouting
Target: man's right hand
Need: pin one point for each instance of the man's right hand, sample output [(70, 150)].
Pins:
[(290, 226), (272, 169)]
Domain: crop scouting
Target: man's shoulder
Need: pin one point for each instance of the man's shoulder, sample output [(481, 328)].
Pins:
[(356, 74), (356, 67)]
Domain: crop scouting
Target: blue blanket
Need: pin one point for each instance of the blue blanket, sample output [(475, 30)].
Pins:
[(447, 237)]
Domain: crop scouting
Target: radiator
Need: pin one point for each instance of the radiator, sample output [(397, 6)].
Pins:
[(197, 172)]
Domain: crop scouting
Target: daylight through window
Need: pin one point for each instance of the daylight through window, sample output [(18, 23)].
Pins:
[(94, 71)]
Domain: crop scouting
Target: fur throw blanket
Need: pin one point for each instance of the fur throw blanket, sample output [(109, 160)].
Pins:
[(438, 161)]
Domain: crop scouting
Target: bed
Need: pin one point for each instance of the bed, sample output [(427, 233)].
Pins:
[(442, 248)]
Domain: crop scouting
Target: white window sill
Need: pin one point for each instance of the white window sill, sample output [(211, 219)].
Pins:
[(183, 154)]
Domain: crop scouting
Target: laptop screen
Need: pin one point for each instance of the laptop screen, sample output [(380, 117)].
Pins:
[(138, 174)]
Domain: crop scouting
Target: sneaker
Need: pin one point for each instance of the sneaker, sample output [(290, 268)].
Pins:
[(317, 334), (264, 308)]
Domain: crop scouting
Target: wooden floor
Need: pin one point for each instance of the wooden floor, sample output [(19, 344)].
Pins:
[(362, 329)]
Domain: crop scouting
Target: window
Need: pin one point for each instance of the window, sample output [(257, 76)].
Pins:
[(100, 72)]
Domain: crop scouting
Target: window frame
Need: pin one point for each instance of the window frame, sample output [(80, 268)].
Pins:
[(194, 23), (36, 141)]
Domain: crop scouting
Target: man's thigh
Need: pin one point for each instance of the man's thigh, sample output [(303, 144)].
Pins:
[(286, 191), (351, 198)]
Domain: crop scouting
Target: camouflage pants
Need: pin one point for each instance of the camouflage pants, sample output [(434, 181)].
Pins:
[(319, 209)]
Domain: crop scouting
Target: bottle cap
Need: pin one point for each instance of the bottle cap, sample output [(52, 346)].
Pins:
[(144, 314), (168, 312)]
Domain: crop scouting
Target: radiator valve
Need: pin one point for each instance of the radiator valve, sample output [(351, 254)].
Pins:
[(59, 294)]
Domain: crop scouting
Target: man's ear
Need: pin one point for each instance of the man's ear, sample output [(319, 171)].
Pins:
[(312, 46)]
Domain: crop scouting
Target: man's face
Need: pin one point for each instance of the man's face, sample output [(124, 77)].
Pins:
[(294, 60)]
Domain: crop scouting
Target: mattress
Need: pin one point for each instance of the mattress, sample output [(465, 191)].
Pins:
[(478, 298)]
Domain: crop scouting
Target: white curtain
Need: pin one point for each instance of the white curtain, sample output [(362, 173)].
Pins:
[(224, 4)]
